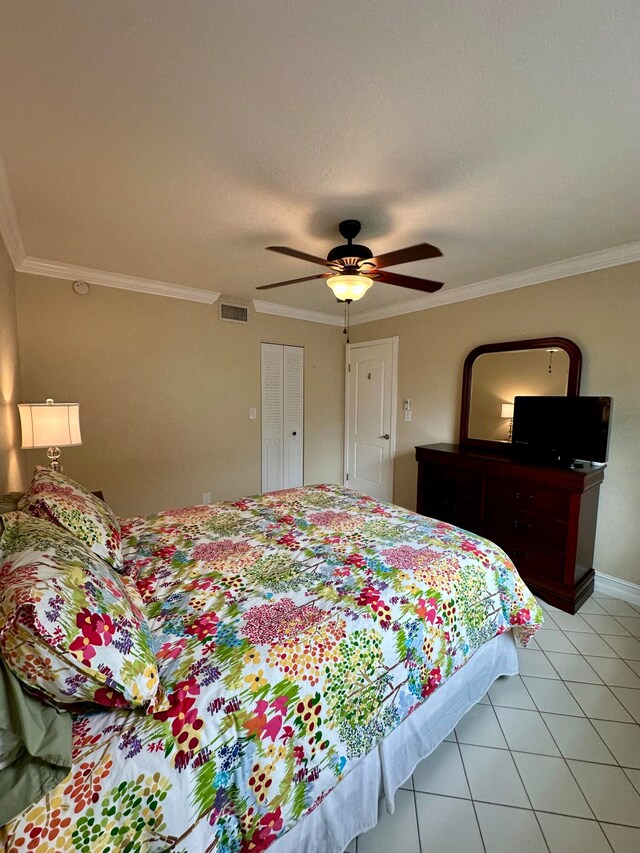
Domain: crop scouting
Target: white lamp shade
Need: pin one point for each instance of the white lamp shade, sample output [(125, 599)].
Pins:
[(50, 424), (351, 287), (507, 410)]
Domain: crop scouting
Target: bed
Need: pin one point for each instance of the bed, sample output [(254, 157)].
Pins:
[(313, 644)]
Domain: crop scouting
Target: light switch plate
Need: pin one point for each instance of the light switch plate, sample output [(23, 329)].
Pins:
[(407, 415), (253, 413)]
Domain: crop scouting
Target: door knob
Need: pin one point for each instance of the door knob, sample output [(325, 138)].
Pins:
[(294, 433), (386, 436)]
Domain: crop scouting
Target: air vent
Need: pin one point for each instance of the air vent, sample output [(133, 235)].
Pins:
[(233, 313)]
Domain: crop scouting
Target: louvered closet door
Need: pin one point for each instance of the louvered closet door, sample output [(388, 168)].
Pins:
[(282, 416)]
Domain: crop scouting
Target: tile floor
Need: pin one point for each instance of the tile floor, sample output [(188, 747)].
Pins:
[(548, 761)]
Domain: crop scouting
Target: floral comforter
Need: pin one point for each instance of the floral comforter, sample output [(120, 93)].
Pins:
[(294, 630)]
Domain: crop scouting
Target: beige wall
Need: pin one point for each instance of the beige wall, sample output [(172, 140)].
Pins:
[(600, 311), (12, 459), (165, 389)]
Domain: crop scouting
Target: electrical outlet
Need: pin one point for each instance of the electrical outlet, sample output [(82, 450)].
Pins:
[(253, 413), (206, 497), (407, 415)]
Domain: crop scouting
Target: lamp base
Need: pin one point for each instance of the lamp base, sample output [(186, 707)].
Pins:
[(54, 454)]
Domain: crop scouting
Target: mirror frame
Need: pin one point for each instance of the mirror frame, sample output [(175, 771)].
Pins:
[(573, 380)]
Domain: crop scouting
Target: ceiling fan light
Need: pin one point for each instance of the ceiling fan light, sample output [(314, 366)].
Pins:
[(352, 287)]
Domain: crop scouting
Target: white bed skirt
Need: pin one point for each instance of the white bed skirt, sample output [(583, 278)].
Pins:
[(352, 807)]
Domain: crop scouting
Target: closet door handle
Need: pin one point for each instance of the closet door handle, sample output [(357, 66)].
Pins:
[(294, 433), (386, 436)]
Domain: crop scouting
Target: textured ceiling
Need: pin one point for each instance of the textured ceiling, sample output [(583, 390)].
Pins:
[(175, 140)]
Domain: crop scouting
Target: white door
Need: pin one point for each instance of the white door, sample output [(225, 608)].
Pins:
[(282, 416), (371, 422)]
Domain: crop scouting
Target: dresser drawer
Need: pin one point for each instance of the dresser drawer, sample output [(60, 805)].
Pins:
[(531, 561), (455, 509), (511, 523), (453, 479), (514, 494)]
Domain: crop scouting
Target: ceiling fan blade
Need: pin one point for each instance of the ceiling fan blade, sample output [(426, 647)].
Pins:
[(290, 281), (409, 281), (293, 253), (421, 252)]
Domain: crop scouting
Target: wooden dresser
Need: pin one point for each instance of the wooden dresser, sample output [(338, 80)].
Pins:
[(544, 518)]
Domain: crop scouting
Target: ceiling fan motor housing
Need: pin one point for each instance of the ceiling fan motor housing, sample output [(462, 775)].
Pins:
[(351, 250)]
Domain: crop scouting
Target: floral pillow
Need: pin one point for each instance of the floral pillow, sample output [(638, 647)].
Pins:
[(71, 628), (56, 498)]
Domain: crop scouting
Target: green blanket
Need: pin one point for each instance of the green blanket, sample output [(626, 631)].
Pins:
[(35, 747)]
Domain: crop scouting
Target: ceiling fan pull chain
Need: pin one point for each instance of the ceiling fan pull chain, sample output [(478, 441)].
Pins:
[(346, 331)]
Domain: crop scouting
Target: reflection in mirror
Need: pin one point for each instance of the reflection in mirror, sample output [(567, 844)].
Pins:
[(499, 376)]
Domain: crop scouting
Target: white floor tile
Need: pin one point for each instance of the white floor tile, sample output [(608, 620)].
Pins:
[(552, 696), (591, 606), (484, 700), (623, 739), (555, 641), (630, 624), (492, 776), (352, 847), (635, 666), (593, 644), (505, 830), (572, 834), (525, 731), (630, 698), (623, 839), (605, 624), (608, 791), (634, 776), (510, 692), (599, 703), (535, 663), (550, 785), (615, 673), (567, 622), (616, 607), (480, 727), (577, 738), (573, 668), (627, 647), (442, 773), (451, 737), (549, 621), (447, 824), (397, 831)]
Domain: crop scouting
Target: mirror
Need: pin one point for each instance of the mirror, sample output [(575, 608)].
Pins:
[(496, 373)]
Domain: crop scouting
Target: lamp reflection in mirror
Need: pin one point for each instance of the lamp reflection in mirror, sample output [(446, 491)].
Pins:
[(349, 287), (51, 425), (507, 412)]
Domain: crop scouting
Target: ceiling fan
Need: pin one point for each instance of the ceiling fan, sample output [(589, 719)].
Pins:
[(354, 268)]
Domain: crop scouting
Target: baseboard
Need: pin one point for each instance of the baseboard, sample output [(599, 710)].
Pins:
[(617, 588)]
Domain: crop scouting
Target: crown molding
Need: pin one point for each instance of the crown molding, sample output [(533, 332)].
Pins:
[(70, 272), (296, 313), (10, 232), (9, 228), (614, 257)]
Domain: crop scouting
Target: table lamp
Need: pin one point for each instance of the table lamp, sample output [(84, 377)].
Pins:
[(507, 412), (51, 425)]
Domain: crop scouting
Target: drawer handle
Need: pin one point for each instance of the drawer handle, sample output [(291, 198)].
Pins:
[(521, 525), (449, 504), (518, 496)]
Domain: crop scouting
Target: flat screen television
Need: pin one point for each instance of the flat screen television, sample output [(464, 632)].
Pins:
[(558, 430)]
